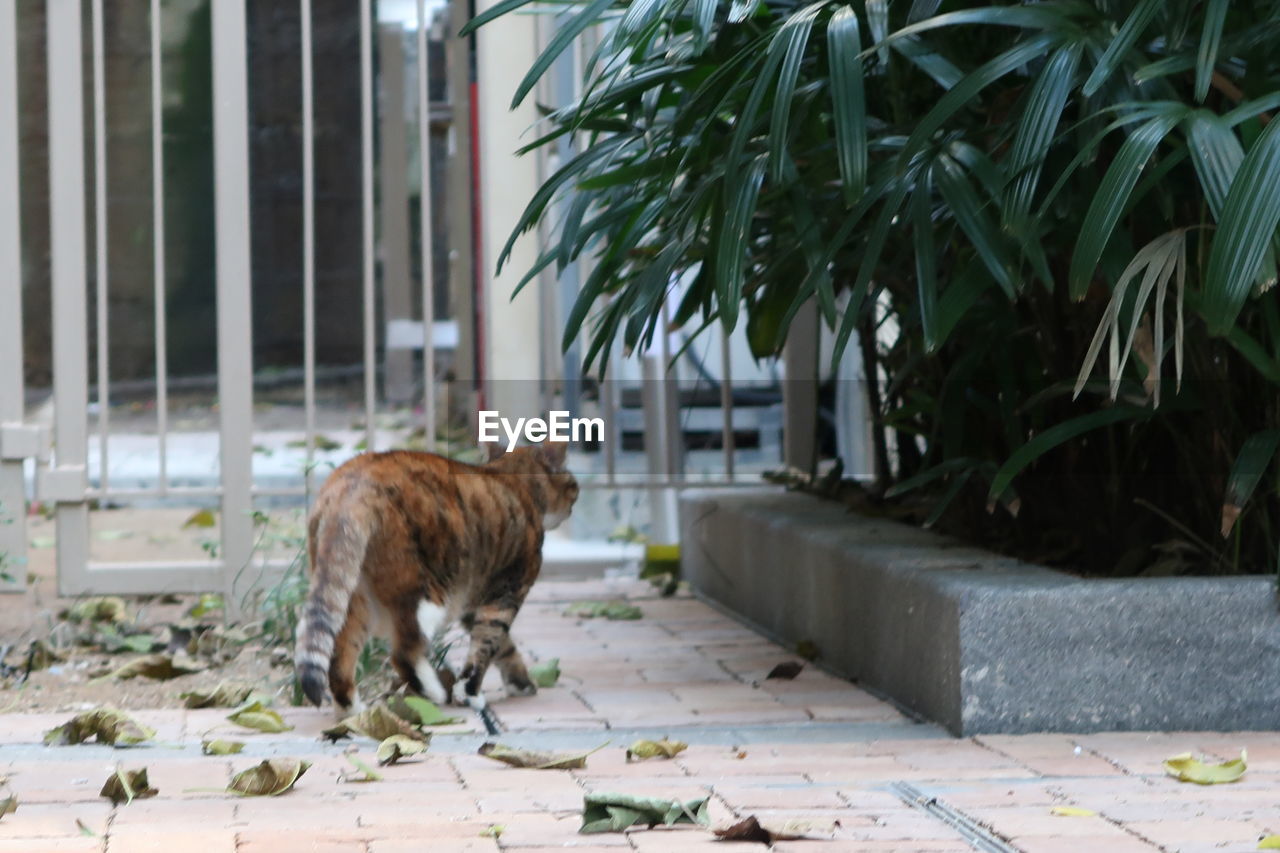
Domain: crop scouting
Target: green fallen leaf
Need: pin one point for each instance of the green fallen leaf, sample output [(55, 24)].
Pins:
[(105, 608), (664, 748), (84, 829), (1071, 811), (222, 696), (8, 804), (611, 812), (156, 667), (1186, 768), (615, 610), (1269, 842), (208, 602), (125, 786), (493, 830), (545, 673), (114, 642), (104, 725), (271, 778), (396, 747), (257, 716), (418, 711), (366, 774), (113, 535), (537, 760), (221, 747), (43, 542), (201, 518), (378, 722)]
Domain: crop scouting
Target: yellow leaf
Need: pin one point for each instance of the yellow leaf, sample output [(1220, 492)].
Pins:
[(1186, 768), (656, 749), (1270, 842), (1071, 811), (201, 518)]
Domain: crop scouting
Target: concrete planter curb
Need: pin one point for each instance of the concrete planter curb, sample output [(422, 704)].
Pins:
[(983, 643)]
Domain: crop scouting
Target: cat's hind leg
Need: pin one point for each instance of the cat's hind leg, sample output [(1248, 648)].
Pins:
[(346, 652), (410, 633)]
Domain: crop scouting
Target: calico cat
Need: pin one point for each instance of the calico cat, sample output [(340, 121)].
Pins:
[(405, 543)]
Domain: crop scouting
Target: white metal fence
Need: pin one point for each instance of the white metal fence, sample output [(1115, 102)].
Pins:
[(63, 457)]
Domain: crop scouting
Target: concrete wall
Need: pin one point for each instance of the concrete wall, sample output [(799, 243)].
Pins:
[(983, 643)]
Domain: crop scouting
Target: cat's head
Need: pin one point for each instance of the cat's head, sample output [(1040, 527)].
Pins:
[(544, 462)]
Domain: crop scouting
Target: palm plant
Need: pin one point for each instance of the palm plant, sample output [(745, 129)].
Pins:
[(1014, 187)]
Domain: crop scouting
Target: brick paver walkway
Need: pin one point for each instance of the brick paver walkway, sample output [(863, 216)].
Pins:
[(816, 747)]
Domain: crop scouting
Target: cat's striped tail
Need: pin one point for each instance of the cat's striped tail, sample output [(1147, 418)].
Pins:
[(338, 553)]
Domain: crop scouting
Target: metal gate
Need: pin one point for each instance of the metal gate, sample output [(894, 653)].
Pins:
[(62, 454)]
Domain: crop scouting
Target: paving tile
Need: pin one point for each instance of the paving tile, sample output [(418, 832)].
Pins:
[(54, 820), (145, 839), (1077, 843)]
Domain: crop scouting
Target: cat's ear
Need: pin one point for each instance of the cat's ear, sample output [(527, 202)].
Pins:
[(554, 454), (494, 450)]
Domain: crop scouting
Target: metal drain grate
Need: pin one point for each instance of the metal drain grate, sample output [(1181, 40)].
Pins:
[(979, 836)]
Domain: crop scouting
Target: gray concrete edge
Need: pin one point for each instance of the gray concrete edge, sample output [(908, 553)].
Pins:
[(983, 643)]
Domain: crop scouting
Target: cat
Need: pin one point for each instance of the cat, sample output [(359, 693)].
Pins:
[(406, 543)]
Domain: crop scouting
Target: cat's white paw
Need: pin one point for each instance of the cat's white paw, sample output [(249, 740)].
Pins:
[(431, 683), (459, 693), (516, 690)]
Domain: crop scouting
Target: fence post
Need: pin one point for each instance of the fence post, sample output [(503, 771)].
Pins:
[(393, 200), (234, 271), (13, 528), (66, 482)]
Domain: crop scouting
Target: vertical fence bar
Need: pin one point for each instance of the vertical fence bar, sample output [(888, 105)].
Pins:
[(612, 430), (308, 243), (366, 198), (424, 221), (157, 232), (68, 273), (13, 535), (100, 239), (726, 405), (235, 342)]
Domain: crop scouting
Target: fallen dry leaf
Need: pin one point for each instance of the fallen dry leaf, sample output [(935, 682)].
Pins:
[(493, 830), (222, 696), (795, 829), (260, 718), (612, 812), (378, 722), (159, 667), (221, 747), (1186, 768), (271, 778), (201, 518), (664, 748), (105, 608), (786, 670), (536, 760), (125, 786), (396, 747), (104, 725), (8, 802)]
